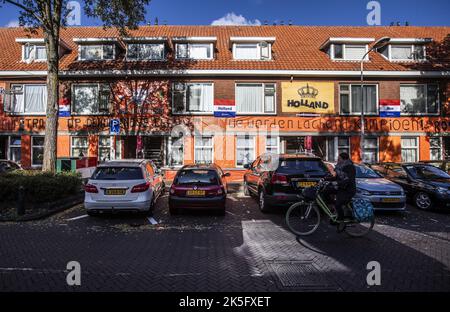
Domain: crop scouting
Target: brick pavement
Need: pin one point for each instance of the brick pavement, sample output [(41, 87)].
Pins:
[(243, 251)]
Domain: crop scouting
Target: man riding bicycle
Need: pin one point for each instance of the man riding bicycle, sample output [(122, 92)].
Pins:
[(344, 185)]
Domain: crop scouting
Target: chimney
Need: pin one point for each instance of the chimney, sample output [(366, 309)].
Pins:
[(290, 22), (406, 23), (156, 21)]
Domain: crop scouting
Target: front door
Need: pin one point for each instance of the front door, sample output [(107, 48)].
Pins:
[(129, 147)]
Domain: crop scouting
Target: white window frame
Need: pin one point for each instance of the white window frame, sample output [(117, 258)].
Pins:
[(412, 53), (259, 48), (97, 45), (263, 84), (110, 147), (189, 47), (24, 46), (253, 139), (186, 85), (32, 150), (9, 154), (277, 146), (99, 90), (377, 155), (350, 99), (440, 148), (344, 56), (416, 147), (171, 148), (146, 59), (24, 85), (72, 146), (196, 139), (426, 99)]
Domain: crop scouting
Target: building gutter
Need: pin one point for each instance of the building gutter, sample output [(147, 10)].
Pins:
[(234, 72)]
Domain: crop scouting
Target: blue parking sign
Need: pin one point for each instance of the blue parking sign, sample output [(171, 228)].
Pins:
[(114, 126)]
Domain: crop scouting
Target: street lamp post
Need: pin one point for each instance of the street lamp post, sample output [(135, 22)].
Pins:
[(377, 45)]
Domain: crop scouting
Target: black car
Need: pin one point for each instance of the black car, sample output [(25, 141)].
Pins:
[(278, 179), (426, 185), (8, 165)]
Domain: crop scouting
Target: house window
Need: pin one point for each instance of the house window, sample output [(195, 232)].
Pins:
[(145, 51), (419, 99), (410, 149), (195, 51), (192, 97), (104, 148), (37, 150), (90, 99), (272, 144), (34, 52), (245, 150), (176, 153), (79, 146), (436, 148), (203, 146), (97, 52), (337, 145), (370, 150), (404, 52), (27, 99), (255, 98), (252, 51), (15, 148), (348, 52), (350, 99)]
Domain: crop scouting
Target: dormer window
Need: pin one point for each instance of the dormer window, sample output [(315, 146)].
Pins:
[(252, 48), (146, 48), (347, 49), (405, 50), (96, 49), (33, 49), (194, 48)]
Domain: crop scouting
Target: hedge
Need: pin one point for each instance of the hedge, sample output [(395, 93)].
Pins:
[(39, 186)]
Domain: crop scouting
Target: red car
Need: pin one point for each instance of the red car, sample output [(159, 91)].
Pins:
[(199, 187)]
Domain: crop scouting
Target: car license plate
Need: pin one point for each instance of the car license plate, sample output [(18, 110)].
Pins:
[(195, 193), (115, 191), (306, 184), (390, 200)]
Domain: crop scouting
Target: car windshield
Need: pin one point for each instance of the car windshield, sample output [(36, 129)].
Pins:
[(302, 166), (427, 172), (118, 173), (364, 172), (197, 176)]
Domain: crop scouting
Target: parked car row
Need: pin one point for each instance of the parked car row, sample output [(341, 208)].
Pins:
[(135, 185), (276, 180)]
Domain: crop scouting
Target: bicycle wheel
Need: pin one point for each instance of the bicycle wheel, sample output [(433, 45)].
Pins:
[(359, 229), (302, 218)]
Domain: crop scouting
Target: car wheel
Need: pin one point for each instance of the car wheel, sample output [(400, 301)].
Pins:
[(92, 213), (173, 211), (246, 190), (423, 201), (262, 202)]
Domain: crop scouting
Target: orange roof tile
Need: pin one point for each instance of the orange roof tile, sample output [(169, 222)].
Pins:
[(295, 48)]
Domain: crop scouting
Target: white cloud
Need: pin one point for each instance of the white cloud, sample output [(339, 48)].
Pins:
[(13, 23), (233, 19)]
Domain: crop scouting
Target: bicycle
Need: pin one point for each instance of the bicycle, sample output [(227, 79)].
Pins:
[(303, 218)]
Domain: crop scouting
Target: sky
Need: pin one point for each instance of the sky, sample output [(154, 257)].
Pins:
[(300, 12)]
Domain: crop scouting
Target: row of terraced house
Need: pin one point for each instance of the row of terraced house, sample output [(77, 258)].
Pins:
[(226, 94)]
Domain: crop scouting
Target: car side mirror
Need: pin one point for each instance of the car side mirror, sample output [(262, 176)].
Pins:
[(225, 175), (247, 166)]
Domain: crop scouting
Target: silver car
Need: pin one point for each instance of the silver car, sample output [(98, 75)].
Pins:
[(384, 194), (123, 185)]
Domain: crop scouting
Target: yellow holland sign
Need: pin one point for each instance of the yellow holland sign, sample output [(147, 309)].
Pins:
[(308, 97)]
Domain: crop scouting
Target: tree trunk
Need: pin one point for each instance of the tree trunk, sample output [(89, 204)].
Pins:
[(51, 124)]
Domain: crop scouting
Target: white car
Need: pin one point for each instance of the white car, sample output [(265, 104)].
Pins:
[(123, 185)]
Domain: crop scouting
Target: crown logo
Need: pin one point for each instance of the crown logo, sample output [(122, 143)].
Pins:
[(308, 92)]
